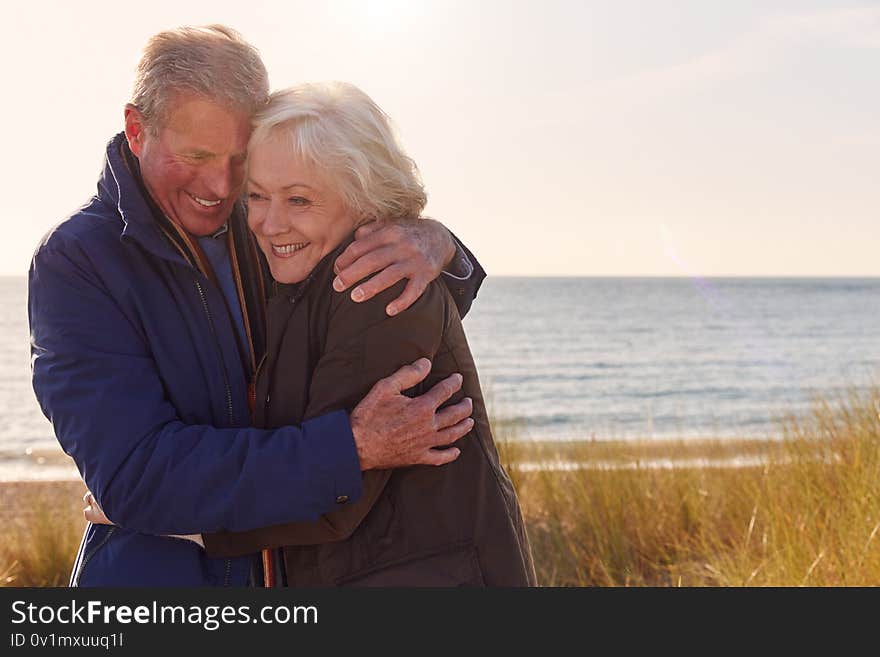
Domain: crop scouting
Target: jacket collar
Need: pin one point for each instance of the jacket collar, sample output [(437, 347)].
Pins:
[(120, 185)]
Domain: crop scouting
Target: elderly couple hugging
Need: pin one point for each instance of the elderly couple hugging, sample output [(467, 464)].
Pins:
[(238, 416)]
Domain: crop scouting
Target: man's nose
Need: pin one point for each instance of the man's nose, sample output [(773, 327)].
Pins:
[(219, 180)]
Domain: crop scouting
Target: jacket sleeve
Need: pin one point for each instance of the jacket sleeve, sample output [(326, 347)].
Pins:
[(363, 345), (96, 381), (464, 291)]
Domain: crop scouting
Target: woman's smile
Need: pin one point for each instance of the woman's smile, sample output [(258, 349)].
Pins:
[(287, 250)]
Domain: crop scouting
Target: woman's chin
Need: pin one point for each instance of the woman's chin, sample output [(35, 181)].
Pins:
[(295, 267), (287, 275)]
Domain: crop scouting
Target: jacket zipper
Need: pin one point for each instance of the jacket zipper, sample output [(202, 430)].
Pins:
[(225, 381), (255, 379), (228, 571), (271, 554), (219, 351), (88, 557), (268, 554)]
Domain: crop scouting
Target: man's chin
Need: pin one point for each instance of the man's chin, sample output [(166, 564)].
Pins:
[(204, 226)]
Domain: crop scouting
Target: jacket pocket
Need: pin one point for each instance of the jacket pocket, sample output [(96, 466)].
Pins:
[(455, 565)]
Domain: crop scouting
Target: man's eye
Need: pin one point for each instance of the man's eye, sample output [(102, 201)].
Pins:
[(298, 200)]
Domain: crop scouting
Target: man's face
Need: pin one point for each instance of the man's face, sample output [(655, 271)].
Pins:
[(194, 165)]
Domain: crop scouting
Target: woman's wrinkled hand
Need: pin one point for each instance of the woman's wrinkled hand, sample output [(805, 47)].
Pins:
[(92, 512)]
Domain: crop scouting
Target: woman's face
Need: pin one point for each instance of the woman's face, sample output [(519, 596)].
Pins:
[(294, 214)]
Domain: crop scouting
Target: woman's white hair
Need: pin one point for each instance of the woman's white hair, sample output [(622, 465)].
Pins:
[(212, 61), (337, 129)]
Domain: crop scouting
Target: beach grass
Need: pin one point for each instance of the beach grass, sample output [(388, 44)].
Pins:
[(801, 510), (43, 525), (806, 512)]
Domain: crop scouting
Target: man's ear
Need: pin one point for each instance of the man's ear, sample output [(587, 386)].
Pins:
[(135, 129)]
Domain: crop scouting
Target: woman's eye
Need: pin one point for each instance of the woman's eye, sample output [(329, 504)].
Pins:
[(298, 200), (253, 196)]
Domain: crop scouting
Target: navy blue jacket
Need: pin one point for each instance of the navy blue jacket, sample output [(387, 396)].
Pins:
[(137, 365)]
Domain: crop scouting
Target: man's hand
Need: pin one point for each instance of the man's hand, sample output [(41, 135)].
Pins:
[(415, 249), (393, 430)]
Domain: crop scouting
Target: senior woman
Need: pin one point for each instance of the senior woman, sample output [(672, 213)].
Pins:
[(323, 161)]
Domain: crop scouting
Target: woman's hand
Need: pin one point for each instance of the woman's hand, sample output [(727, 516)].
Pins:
[(415, 250), (95, 515), (92, 512)]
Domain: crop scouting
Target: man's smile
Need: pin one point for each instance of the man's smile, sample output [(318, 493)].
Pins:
[(205, 203)]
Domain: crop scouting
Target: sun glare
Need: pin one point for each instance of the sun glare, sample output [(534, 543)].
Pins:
[(380, 16)]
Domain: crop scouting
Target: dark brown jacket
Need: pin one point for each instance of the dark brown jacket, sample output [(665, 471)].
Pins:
[(458, 524)]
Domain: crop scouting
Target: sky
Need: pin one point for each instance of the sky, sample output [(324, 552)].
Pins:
[(626, 138)]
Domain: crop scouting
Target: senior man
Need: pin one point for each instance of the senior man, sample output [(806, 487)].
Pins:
[(146, 316)]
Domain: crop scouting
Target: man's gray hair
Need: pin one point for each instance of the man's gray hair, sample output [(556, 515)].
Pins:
[(213, 61)]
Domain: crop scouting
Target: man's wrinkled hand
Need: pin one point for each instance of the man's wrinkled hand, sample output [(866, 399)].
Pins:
[(417, 250), (393, 430)]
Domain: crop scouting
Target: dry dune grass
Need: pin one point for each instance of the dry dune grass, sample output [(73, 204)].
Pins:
[(808, 515), (800, 511), (43, 525)]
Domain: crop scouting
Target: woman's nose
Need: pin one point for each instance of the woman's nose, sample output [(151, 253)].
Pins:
[(273, 221)]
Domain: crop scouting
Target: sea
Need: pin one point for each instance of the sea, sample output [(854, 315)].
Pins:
[(594, 359)]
